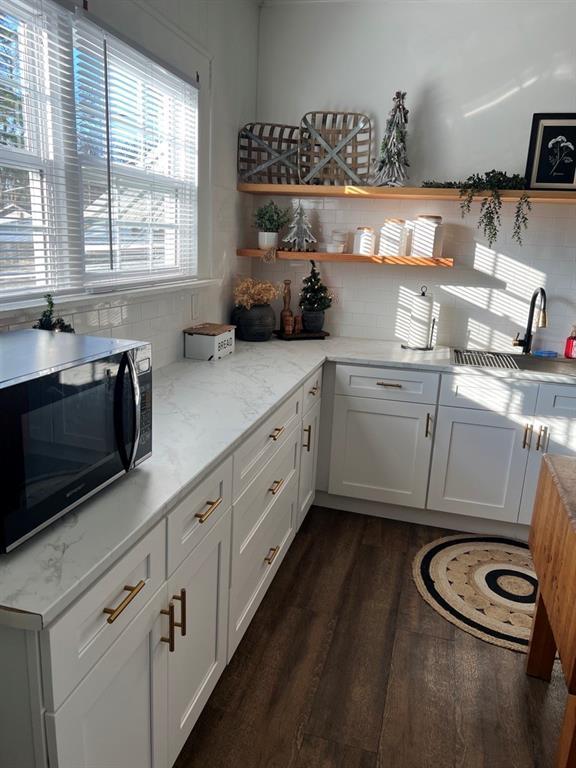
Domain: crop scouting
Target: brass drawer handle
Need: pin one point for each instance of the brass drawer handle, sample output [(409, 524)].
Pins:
[(541, 440), (171, 639), (271, 556), (113, 613), (387, 384), (212, 505), (308, 442), (314, 391), (428, 425), (527, 436), (182, 623), (276, 433), (275, 487)]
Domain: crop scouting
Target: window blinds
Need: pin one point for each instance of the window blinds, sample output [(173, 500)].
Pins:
[(98, 158)]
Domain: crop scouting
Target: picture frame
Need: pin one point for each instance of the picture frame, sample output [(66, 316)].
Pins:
[(552, 152)]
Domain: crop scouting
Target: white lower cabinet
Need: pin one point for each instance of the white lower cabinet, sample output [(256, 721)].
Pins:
[(381, 450), (117, 716), (308, 462), (199, 592), (479, 463)]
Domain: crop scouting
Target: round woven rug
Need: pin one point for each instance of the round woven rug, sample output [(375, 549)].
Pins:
[(485, 585)]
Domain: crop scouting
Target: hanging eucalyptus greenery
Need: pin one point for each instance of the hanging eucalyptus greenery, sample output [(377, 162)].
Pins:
[(489, 185)]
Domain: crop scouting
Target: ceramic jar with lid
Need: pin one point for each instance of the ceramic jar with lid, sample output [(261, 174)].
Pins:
[(394, 238), (364, 241), (427, 237)]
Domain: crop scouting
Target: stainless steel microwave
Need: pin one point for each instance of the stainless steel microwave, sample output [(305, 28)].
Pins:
[(75, 414)]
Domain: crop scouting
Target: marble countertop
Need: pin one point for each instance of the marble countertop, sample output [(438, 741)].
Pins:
[(202, 411)]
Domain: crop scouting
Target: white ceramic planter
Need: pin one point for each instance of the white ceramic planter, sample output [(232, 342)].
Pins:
[(267, 240)]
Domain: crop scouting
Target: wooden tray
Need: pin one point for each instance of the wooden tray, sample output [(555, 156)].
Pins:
[(301, 336)]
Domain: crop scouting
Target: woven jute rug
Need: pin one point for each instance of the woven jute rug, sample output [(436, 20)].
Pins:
[(485, 585)]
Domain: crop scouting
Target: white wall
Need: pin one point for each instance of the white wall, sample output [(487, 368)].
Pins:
[(475, 72), (217, 38)]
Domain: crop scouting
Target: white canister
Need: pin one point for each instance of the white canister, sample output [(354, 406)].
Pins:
[(427, 237), (423, 321), (364, 241), (393, 238)]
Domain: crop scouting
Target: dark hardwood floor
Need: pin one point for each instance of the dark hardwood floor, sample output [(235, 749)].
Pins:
[(345, 666)]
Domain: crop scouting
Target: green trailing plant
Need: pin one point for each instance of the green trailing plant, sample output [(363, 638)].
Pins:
[(314, 296), (271, 218), (489, 185), (47, 321)]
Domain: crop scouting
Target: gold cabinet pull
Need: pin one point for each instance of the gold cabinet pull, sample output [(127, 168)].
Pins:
[(428, 425), (541, 439), (182, 623), (314, 391), (171, 639), (113, 613), (212, 505), (388, 384), (271, 556), (527, 436), (308, 442), (276, 433), (275, 487)]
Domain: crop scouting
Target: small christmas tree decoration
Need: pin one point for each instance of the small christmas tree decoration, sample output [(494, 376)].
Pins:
[(300, 236), (314, 299), (47, 321), (391, 167)]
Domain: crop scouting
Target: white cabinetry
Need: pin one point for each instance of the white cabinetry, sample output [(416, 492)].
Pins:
[(308, 461), (554, 432), (117, 715), (479, 463), (198, 591), (381, 450)]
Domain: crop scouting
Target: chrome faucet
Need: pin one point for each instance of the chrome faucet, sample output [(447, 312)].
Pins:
[(526, 342)]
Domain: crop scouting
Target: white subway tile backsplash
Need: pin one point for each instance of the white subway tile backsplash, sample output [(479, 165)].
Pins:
[(483, 300)]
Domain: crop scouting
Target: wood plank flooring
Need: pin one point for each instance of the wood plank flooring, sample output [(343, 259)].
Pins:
[(345, 666)]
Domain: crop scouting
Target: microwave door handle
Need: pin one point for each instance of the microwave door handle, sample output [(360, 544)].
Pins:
[(137, 408)]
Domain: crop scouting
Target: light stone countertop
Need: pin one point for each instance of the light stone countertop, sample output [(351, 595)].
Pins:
[(202, 412)]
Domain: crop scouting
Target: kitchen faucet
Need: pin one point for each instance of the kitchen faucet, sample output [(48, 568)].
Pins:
[(526, 342)]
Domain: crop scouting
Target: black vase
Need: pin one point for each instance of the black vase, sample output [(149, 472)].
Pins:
[(255, 324), (313, 321)]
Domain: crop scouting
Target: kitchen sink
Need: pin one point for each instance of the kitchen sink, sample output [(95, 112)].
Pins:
[(505, 361)]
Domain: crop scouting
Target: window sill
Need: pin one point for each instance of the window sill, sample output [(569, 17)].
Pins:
[(118, 296)]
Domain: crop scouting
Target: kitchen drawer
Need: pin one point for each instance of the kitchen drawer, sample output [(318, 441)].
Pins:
[(79, 638), (255, 566), (257, 449), (557, 400), (196, 515), (488, 393), (387, 383), (312, 391), (255, 503)]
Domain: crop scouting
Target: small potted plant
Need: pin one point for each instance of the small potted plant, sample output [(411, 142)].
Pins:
[(253, 316), (270, 219), (47, 321), (315, 298)]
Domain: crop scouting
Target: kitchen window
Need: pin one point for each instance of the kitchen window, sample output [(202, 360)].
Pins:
[(98, 159)]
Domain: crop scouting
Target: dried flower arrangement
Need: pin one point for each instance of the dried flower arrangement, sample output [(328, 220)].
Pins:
[(249, 292)]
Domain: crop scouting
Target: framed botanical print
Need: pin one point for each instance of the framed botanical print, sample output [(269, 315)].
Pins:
[(552, 152)]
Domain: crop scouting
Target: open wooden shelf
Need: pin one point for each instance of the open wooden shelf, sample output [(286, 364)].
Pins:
[(397, 193), (404, 261)]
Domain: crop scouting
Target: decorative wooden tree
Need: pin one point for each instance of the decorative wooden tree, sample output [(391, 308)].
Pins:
[(299, 236), (391, 170)]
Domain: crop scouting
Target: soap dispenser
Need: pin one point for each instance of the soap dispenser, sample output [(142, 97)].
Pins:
[(570, 348)]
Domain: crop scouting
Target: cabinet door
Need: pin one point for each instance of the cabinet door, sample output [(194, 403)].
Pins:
[(200, 654), (479, 463), (381, 450), (554, 432), (117, 715), (308, 462)]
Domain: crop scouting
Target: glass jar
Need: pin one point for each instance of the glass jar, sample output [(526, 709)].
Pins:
[(427, 237), (394, 238)]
